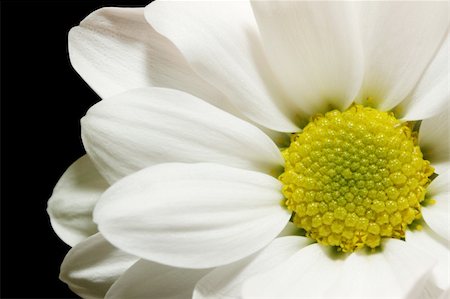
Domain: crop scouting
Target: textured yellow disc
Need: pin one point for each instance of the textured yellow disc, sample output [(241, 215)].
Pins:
[(354, 177)]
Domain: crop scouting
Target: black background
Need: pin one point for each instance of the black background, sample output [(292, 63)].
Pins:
[(42, 101)]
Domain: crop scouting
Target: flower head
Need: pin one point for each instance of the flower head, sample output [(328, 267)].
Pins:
[(189, 164)]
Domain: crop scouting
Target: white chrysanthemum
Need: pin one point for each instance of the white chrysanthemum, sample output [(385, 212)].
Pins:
[(184, 154)]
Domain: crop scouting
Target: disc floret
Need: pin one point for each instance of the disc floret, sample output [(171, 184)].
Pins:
[(352, 178)]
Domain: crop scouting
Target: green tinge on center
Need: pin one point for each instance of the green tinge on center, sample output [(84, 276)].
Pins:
[(352, 178)]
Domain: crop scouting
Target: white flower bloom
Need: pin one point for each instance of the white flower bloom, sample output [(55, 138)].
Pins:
[(185, 152)]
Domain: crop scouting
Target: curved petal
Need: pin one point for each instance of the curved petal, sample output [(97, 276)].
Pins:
[(400, 39), (115, 49), (291, 230), (399, 271), (308, 273), (434, 141), (440, 184), (437, 215), (432, 93), (446, 294), (315, 50), (147, 279), (72, 202), (192, 215), (148, 126), (395, 272), (220, 41), (226, 281), (438, 248), (92, 266)]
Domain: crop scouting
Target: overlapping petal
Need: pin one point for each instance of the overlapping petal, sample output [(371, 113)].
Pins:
[(72, 202), (315, 50), (434, 141), (432, 94), (397, 271), (146, 279), (437, 215), (192, 215), (221, 42), (92, 266), (148, 126), (227, 281), (115, 49), (433, 245), (308, 273), (446, 294), (400, 39), (290, 230)]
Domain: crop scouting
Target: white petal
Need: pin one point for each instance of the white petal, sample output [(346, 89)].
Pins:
[(432, 94), (290, 230), (192, 215), (433, 246), (437, 215), (400, 40), (226, 281), (434, 141), (148, 126), (308, 273), (315, 272), (440, 184), (315, 50), (147, 279), (446, 294), (92, 266), (220, 40), (115, 49), (399, 271), (72, 202)]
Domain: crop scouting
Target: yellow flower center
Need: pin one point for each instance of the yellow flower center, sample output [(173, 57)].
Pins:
[(354, 177)]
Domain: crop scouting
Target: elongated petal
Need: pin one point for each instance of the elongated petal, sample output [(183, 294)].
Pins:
[(192, 215), (400, 39), (308, 273), (399, 271), (315, 50), (72, 202), (147, 279), (446, 294), (115, 49), (434, 141), (290, 230), (439, 185), (91, 267), (437, 215), (226, 281), (220, 41), (432, 94), (395, 272), (148, 126), (435, 246)]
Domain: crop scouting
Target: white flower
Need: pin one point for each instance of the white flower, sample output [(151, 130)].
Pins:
[(195, 109)]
